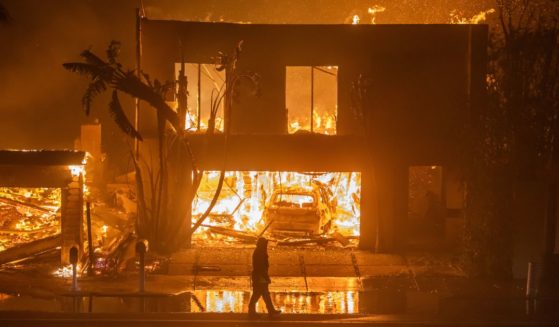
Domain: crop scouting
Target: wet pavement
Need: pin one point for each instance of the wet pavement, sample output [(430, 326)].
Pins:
[(307, 262), (352, 287), (379, 301)]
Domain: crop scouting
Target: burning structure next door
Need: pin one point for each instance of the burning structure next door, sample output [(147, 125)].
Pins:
[(380, 98), (57, 175)]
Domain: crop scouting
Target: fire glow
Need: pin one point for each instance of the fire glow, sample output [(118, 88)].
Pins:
[(288, 302), (28, 214), (246, 195)]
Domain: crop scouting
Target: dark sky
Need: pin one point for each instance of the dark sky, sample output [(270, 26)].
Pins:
[(40, 101)]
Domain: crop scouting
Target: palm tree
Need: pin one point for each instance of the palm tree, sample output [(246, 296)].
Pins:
[(151, 181), (159, 221)]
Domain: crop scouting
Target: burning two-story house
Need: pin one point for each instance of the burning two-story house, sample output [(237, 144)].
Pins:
[(345, 117)]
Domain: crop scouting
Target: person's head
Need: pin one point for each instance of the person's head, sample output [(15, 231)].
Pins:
[(262, 243)]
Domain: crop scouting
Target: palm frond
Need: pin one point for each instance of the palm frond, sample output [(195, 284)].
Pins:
[(134, 87), (108, 69), (163, 88), (84, 69), (92, 58), (120, 117), (93, 89), (147, 78), (113, 50)]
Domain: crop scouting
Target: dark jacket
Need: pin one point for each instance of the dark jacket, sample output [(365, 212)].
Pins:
[(260, 263)]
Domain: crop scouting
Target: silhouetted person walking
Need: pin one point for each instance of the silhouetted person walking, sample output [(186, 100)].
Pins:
[(260, 279)]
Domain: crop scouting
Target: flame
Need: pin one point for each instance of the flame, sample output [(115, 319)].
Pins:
[(189, 124), (66, 271), (455, 17), (373, 12), (355, 20), (246, 193), (76, 171), (324, 123), (28, 214)]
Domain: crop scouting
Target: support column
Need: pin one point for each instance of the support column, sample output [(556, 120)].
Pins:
[(72, 218), (369, 211), (392, 200), (400, 206), (188, 213), (385, 209)]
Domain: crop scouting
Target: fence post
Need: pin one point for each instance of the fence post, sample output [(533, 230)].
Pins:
[(74, 262), (141, 249), (530, 281)]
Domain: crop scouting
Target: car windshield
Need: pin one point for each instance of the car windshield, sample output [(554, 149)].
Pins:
[(294, 200)]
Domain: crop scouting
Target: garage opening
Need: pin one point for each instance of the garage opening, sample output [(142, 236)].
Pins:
[(290, 208)]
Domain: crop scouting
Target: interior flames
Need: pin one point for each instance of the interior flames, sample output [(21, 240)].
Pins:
[(28, 214), (250, 201)]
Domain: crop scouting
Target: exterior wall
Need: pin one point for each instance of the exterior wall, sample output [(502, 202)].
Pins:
[(453, 188), (90, 140), (34, 176)]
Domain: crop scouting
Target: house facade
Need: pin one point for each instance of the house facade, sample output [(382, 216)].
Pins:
[(394, 96)]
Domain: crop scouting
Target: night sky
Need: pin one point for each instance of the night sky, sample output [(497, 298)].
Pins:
[(40, 102)]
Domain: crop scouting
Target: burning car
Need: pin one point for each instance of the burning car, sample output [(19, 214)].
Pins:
[(299, 210)]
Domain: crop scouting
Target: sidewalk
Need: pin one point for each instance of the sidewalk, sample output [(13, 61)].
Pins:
[(286, 262), (377, 284)]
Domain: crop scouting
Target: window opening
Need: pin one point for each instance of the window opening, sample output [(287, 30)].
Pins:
[(311, 98)]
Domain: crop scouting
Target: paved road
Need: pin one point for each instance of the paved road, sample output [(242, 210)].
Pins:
[(209, 319)]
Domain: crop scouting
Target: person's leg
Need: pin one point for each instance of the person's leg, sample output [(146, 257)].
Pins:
[(268, 300), (255, 296)]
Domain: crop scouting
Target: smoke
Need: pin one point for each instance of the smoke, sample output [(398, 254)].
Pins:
[(314, 11), (40, 102)]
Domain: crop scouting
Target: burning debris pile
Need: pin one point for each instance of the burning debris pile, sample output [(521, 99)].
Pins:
[(28, 214), (291, 208)]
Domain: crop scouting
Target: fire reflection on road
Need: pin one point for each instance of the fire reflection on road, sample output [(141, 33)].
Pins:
[(288, 302)]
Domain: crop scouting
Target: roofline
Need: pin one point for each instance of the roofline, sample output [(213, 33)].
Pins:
[(42, 157)]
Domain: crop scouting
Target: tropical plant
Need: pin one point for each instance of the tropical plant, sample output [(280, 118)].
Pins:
[(161, 222), (515, 138)]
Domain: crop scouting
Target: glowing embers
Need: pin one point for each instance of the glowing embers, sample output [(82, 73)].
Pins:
[(28, 214), (311, 98), (285, 204), (205, 86)]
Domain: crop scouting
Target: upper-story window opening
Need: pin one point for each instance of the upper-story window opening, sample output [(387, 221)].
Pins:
[(204, 84), (311, 98)]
